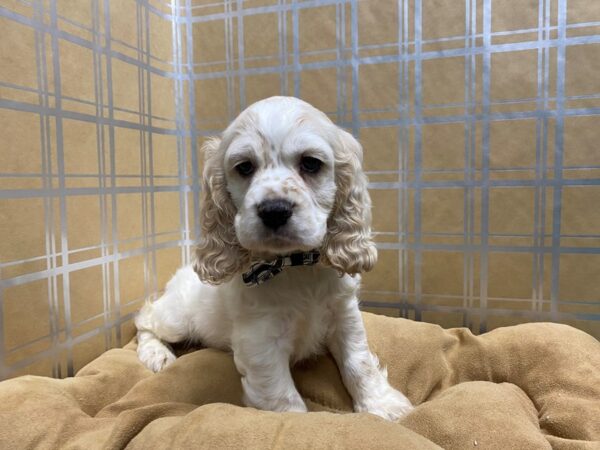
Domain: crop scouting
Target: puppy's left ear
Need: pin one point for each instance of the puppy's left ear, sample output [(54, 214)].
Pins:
[(348, 246), (219, 255)]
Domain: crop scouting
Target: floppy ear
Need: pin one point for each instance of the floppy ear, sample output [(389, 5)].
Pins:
[(219, 255), (348, 246)]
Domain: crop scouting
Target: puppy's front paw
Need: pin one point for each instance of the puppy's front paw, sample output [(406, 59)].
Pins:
[(155, 355), (393, 405), (289, 401)]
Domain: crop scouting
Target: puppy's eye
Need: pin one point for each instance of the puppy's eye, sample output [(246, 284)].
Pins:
[(309, 164), (245, 168)]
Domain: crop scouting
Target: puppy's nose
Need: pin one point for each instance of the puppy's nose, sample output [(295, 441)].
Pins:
[(275, 213)]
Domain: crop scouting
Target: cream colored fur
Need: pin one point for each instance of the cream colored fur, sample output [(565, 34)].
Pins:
[(304, 310)]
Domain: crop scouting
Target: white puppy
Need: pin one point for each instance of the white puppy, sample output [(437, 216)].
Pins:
[(283, 186)]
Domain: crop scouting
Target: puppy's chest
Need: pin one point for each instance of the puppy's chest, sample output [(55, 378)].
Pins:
[(300, 304), (308, 329), (305, 317)]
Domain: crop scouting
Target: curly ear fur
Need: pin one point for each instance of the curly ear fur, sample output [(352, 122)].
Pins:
[(348, 246), (218, 254)]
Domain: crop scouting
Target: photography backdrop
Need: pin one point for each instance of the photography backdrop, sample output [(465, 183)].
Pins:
[(480, 122)]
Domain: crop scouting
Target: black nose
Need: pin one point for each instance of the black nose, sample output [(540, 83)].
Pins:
[(275, 213)]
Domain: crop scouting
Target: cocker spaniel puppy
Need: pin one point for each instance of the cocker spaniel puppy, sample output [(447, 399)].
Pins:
[(286, 232)]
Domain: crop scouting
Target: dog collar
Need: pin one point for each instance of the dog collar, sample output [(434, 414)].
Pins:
[(263, 271)]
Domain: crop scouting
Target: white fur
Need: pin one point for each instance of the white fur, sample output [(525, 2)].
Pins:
[(304, 310)]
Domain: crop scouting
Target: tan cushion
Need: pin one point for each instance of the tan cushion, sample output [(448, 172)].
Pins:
[(523, 387)]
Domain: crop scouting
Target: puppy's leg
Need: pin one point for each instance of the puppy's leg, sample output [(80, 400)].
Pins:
[(263, 360), (154, 353), (365, 381), (157, 326)]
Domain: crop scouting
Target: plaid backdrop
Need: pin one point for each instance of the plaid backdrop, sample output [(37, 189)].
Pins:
[(479, 120)]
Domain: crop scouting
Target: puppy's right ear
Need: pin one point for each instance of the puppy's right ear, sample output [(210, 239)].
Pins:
[(219, 255), (348, 246)]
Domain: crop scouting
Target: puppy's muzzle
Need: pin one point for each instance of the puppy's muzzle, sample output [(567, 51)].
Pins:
[(275, 213)]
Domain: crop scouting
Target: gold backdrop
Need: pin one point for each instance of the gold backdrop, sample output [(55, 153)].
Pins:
[(479, 120)]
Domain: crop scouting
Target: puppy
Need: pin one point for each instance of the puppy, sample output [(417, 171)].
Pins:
[(285, 234)]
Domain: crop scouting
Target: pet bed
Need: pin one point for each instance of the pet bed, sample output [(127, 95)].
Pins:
[(523, 387)]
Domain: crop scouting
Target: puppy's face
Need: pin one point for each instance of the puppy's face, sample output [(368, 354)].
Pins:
[(282, 178), (279, 167)]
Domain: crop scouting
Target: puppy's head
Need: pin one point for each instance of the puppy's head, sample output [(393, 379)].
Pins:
[(283, 178)]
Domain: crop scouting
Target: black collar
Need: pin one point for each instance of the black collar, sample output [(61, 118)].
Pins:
[(263, 271)]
